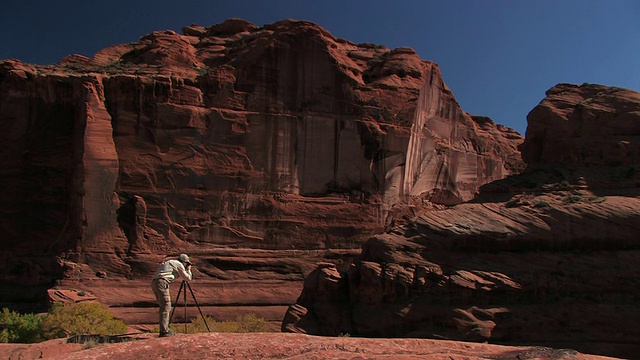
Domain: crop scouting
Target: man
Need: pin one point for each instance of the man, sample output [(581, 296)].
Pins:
[(166, 273)]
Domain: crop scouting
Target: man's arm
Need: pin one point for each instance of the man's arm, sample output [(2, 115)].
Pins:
[(184, 273)]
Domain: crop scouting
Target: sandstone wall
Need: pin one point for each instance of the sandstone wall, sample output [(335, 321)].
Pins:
[(241, 145), (543, 257)]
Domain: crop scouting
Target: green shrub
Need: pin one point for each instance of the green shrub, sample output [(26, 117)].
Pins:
[(82, 318), (571, 199), (202, 71), (243, 324), (63, 320), (196, 325), (227, 326), (252, 323), (17, 328), (541, 204)]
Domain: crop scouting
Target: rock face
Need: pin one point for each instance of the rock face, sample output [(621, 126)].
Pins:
[(281, 346), (589, 125), (257, 150), (544, 257)]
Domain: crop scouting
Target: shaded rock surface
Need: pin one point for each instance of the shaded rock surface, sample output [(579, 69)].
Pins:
[(588, 124), (544, 257), (257, 150), (283, 346)]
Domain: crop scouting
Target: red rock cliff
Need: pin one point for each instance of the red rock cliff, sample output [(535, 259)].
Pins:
[(258, 150), (547, 256)]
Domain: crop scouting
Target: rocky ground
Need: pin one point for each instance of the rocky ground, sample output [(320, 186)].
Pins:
[(282, 346)]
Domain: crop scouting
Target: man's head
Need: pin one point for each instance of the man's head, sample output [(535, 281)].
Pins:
[(184, 258)]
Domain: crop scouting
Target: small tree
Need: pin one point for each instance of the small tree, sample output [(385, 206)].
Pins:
[(17, 328), (80, 319)]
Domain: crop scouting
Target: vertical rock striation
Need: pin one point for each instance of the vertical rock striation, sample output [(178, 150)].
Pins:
[(239, 144), (544, 257)]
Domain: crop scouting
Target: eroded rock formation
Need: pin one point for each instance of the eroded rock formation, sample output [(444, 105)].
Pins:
[(258, 150), (587, 125), (280, 346), (544, 257)]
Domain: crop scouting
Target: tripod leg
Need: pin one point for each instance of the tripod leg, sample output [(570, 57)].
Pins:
[(185, 306), (198, 306), (173, 308)]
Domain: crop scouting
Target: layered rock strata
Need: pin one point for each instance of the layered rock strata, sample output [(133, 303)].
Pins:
[(257, 150), (544, 257)]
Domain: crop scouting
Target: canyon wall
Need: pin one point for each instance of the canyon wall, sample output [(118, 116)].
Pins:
[(257, 150), (544, 257)]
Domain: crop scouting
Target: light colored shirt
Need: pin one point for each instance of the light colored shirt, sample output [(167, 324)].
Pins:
[(171, 269)]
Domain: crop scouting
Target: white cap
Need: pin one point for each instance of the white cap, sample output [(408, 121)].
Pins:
[(184, 258)]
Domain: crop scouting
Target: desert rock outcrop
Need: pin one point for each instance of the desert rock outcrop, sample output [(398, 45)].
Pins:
[(282, 346), (586, 125), (258, 150), (544, 257)]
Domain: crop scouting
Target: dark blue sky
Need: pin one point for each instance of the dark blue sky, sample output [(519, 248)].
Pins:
[(498, 56)]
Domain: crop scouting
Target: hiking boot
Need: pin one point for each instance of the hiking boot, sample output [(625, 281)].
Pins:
[(168, 333)]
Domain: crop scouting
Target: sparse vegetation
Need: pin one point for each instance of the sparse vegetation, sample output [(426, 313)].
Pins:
[(118, 64), (541, 204), (245, 323), (63, 320), (571, 199), (574, 199), (203, 70), (89, 344), (82, 318), (595, 199), (18, 328)]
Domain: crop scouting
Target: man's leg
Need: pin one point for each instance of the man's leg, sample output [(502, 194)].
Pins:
[(161, 289)]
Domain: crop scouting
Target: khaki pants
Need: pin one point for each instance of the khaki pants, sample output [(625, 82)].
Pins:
[(161, 289)]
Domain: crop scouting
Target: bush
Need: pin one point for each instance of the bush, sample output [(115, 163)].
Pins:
[(17, 328), (541, 204), (571, 199), (66, 320), (596, 199), (63, 320), (197, 325), (252, 323), (243, 324)]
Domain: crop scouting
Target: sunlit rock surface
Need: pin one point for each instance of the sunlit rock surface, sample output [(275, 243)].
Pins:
[(548, 256), (281, 346), (593, 125), (257, 150)]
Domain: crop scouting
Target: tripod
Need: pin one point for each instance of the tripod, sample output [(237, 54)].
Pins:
[(183, 289)]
